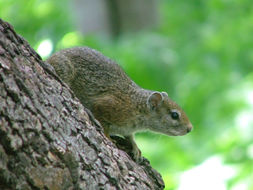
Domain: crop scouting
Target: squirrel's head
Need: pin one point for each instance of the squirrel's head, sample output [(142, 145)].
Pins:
[(166, 116)]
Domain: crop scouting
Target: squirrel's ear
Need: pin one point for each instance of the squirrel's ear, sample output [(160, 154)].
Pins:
[(165, 94), (154, 100)]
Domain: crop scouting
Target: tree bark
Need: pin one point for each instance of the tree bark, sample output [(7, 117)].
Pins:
[(48, 140)]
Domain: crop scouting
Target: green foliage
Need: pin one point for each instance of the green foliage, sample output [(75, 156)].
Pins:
[(36, 20), (201, 54)]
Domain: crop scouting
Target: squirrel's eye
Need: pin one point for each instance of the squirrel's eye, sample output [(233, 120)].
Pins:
[(174, 115)]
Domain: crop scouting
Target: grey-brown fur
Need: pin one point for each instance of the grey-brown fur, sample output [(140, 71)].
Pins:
[(121, 106)]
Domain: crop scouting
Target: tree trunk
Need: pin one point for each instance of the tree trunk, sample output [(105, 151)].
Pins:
[(48, 140), (114, 17)]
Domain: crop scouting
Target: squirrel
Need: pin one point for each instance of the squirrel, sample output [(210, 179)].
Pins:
[(118, 103)]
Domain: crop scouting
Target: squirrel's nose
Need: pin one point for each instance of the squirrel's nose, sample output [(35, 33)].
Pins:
[(189, 128)]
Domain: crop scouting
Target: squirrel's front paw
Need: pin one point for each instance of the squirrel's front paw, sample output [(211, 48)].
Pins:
[(135, 153), (129, 146)]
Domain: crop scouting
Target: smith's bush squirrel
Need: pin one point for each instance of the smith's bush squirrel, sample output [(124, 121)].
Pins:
[(120, 105)]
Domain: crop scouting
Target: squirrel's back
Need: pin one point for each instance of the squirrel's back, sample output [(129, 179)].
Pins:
[(97, 73)]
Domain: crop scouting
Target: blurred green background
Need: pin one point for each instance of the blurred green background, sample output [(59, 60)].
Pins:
[(200, 52)]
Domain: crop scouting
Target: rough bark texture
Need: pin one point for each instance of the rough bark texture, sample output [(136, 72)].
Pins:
[(48, 140)]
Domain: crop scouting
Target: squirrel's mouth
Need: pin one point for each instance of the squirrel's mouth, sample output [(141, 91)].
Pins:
[(170, 133), (177, 133)]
